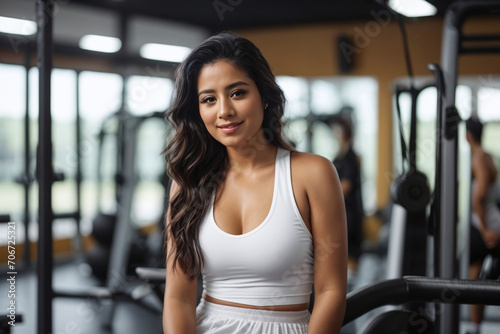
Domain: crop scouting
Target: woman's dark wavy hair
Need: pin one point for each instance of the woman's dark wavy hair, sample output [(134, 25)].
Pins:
[(195, 160)]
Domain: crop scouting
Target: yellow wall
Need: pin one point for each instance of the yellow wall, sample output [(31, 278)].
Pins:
[(311, 50)]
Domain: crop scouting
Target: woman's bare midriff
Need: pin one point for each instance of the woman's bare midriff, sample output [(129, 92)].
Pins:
[(295, 307)]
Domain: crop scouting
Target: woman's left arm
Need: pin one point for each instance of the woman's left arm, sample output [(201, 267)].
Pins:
[(329, 230)]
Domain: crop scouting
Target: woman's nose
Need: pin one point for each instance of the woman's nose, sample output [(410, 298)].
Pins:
[(225, 108)]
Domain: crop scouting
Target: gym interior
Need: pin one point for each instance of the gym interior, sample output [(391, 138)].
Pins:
[(84, 86)]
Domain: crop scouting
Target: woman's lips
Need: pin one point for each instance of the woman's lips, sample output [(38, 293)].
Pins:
[(230, 128)]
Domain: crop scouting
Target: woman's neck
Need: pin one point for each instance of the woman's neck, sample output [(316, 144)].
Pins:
[(251, 158)]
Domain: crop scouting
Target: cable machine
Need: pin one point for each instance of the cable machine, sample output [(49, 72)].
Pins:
[(454, 43)]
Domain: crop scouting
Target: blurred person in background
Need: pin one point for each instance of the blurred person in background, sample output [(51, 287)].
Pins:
[(485, 217), (348, 166)]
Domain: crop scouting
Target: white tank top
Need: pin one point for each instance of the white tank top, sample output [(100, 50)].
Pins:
[(270, 265), (492, 213)]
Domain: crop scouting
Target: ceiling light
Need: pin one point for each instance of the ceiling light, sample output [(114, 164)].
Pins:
[(413, 8), (100, 43), (10, 25), (164, 52)]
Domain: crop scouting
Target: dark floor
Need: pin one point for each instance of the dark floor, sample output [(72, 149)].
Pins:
[(81, 315), (88, 316)]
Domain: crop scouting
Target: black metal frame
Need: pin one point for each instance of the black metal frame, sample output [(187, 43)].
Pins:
[(446, 222), (45, 15), (420, 289)]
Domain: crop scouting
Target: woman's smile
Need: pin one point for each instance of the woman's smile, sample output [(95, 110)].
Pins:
[(229, 128)]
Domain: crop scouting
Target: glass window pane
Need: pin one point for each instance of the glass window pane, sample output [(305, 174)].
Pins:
[(490, 140), (296, 132), (100, 97), (12, 112), (488, 104), (463, 101), (12, 91), (63, 110), (147, 94), (325, 98), (64, 121), (149, 197), (323, 140), (427, 105), (426, 133), (296, 93)]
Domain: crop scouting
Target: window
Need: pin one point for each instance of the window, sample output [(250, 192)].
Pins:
[(488, 103), (149, 195), (148, 94), (12, 112), (100, 98), (311, 100)]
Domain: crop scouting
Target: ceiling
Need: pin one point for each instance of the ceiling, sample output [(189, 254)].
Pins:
[(217, 15), (186, 22)]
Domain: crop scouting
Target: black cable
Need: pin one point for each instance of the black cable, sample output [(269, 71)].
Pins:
[(404, 36), (413, 92), (406, 50)]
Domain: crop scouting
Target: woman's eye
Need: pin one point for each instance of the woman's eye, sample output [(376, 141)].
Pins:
[(238, 93), (208, 99)]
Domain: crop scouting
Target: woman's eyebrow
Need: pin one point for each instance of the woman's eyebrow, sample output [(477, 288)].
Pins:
[(228, 87)]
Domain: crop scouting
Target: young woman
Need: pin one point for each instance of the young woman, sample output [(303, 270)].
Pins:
[(260, 222)]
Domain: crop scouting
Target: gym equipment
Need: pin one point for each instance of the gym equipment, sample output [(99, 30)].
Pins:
[(98, 260), (410, 189), (128, 248), (410, 192), (398, 321), (420, 289), (490, 269), (120, 249), (103, 227), (454, 43), (392, 292)]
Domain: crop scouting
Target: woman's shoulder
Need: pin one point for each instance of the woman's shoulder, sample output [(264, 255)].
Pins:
[(311, 166)]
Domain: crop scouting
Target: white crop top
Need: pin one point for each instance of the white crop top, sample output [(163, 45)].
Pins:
[(270, 265)]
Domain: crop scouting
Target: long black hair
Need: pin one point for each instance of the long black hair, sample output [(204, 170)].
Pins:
[(195, 160)]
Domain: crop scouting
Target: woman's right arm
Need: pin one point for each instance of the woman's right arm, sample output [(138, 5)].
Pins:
[(179, 303)]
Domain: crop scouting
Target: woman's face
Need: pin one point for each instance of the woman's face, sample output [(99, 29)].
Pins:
[(230, 104)]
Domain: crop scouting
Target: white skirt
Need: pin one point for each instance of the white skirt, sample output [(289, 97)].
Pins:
[(221, 319)]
